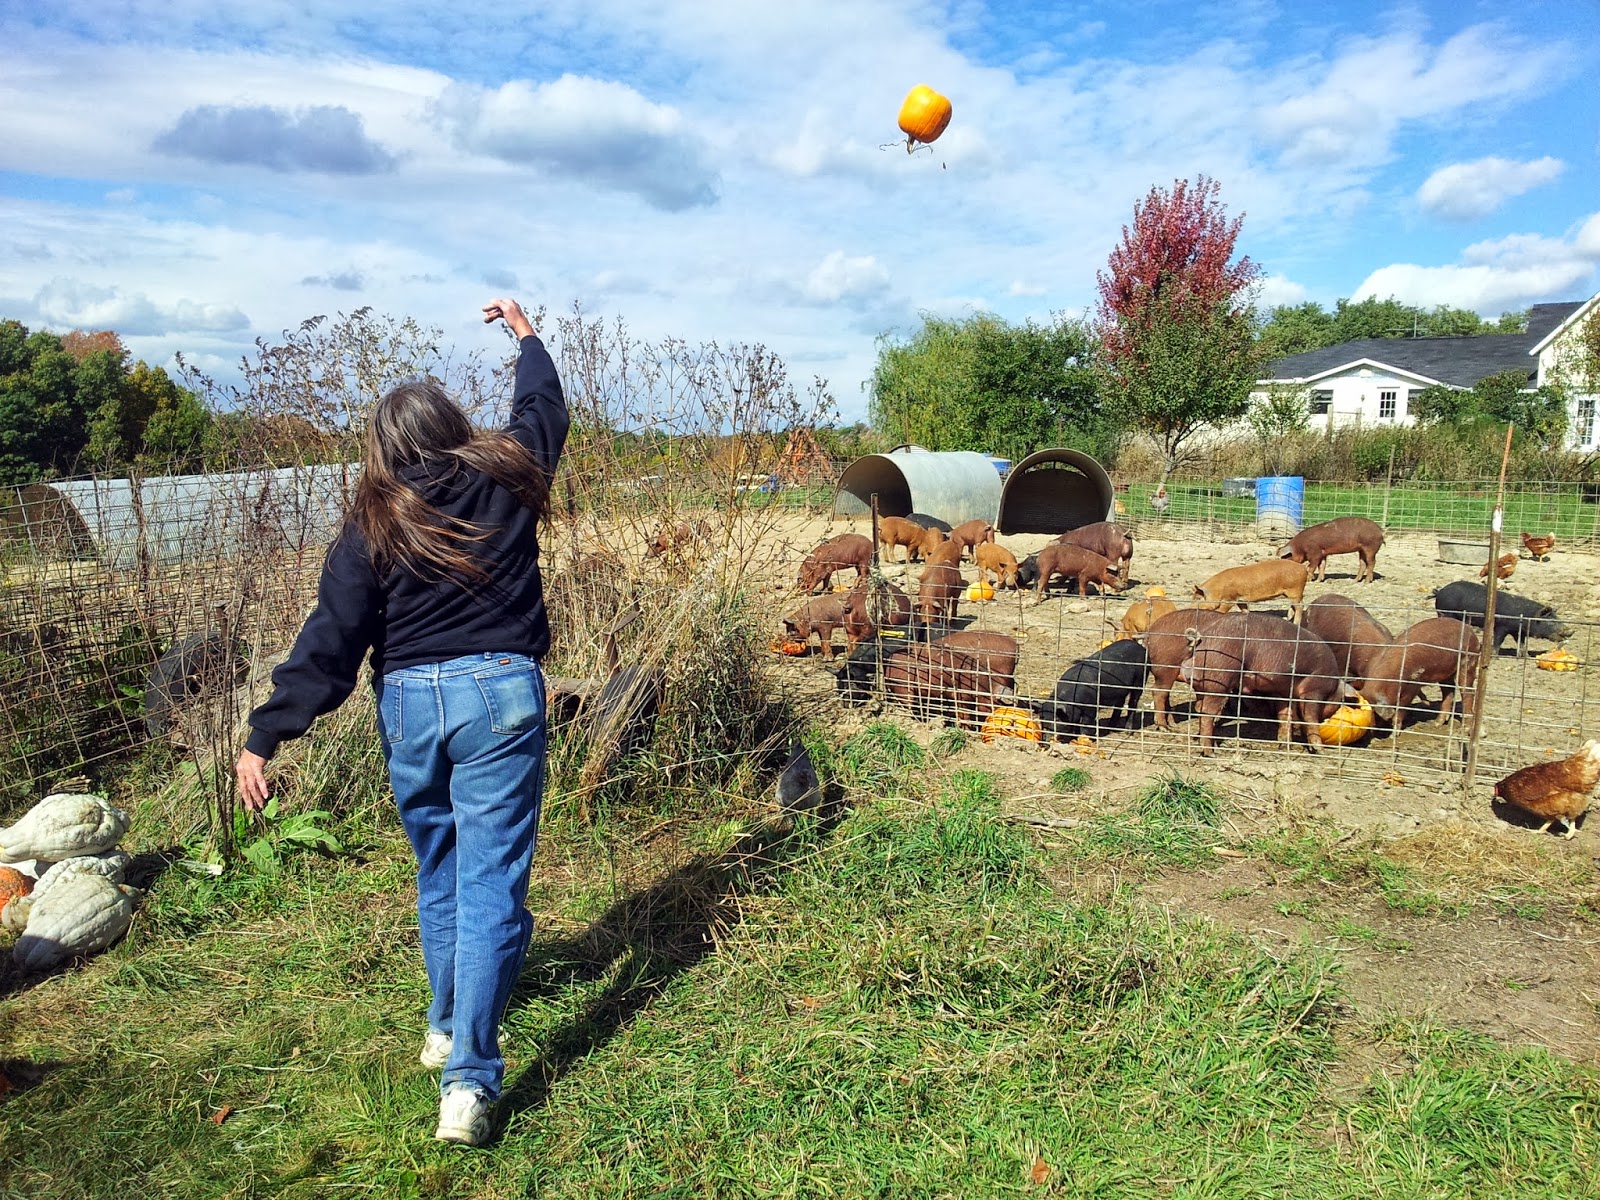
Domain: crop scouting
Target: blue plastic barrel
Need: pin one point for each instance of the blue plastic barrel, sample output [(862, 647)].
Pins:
[(1281, 501)]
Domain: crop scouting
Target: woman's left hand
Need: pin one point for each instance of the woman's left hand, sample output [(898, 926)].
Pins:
[(251, 770)]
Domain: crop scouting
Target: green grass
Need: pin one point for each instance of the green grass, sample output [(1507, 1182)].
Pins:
[(1069, 779), (1174, 821), (1532, 507), (900, 1005)]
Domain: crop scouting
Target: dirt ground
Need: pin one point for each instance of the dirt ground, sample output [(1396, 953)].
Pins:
[(1525, 975), (1394, 784)]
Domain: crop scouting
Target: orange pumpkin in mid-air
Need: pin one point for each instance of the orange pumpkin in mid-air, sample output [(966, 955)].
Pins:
[(923, 116)]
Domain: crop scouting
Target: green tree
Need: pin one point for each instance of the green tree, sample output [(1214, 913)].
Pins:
[(43, 427), (1539, 415), (117, 414), (1175, 318), (177, 430), (1284, 410), (983, 384), (1294, 329)]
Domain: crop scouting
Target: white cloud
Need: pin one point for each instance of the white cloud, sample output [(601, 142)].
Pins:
[(1373, 85), (1587, 240), (1278, 289), (1024, 288), (1496, 275), (599, 131), (842, 279), (70, 302), (1469, 190)]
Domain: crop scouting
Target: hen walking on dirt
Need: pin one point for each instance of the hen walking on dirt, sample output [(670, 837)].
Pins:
[(1556, 791)]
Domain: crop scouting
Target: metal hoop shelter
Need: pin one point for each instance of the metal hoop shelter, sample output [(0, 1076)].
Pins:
[(179, 518), (1052, 491), (953, 485)]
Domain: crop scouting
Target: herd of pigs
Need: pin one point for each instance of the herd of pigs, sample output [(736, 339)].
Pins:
[(1303, 669)]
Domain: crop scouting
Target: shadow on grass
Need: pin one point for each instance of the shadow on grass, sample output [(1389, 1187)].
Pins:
[(664, 930)]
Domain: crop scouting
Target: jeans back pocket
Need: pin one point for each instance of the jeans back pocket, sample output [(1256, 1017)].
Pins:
[(391, 723), (513, 698)]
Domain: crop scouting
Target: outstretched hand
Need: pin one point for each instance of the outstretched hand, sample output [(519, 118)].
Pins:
[(250, 770), (510, 312)]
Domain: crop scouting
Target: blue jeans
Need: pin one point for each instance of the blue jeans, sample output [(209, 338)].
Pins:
[(465, 744)]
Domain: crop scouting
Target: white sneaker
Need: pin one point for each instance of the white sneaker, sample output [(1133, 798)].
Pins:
[(464, 1114), (435, 1050)]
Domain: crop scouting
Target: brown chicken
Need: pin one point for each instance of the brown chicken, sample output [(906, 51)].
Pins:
[(1505, 569), (1556, 791), (1539, 547)]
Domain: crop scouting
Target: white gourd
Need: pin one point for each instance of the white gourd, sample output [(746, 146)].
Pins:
[(113, 864), (81, 914), (15, 914), (64, 826)]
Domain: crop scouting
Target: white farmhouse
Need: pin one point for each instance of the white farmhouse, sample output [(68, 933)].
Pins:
[(1371, 381)]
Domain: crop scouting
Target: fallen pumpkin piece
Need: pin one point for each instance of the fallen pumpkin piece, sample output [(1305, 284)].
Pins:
[(1559, 659), (788, 647), (1393, 778), (1006, 721)]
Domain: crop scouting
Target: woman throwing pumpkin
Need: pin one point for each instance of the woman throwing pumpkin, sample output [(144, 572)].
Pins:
[(436, 572)]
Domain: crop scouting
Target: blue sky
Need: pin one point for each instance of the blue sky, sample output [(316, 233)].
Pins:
[(195, 175)]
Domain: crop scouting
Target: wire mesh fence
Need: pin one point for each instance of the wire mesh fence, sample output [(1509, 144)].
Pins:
[(1389, 698), (1570, 510), (140, 613)]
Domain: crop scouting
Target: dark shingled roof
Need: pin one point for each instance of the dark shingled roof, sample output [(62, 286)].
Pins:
[(1461, 361)]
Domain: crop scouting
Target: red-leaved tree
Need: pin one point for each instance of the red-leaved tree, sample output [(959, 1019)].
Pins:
[(1175, 317)]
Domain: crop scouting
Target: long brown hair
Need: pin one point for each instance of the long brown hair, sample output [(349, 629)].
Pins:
[(418, 423)]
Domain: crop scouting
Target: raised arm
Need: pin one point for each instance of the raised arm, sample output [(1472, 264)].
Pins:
[(539, 417)]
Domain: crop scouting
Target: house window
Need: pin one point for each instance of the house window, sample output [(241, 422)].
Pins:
[(1585, 421), (1386, 405), (1405, 401), (1321, 403)]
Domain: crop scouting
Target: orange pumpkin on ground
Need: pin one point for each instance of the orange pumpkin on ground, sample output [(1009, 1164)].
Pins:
[(13, 883)]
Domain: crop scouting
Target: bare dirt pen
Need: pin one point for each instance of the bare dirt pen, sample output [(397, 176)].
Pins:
[(1490, 925), (1396, 784)]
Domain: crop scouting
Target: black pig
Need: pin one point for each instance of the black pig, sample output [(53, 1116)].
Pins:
[(1112, 678), (1514, 616)]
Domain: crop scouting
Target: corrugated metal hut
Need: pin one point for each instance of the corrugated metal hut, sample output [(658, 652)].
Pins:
[(953, 485), (1052, 491), (184, 518)]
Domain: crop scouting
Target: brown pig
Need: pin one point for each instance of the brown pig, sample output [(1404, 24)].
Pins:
[(947, 552), (1353, 634), (969, 534), (1314, 544), (820, 616), (1265, 580), (1438, 650), (677, 537), (1252, 654), (946, 681), (940, 589), (1140, 615), (1074, 562), (1106, 538), (835, 554), (1170, 640), (893, 607), (994, 559), (897, 531), (993, 653)]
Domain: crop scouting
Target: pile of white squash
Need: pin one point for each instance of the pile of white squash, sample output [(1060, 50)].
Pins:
[(62, 886)]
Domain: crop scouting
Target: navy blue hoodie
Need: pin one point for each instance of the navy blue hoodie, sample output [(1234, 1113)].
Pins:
[(406, 620)]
